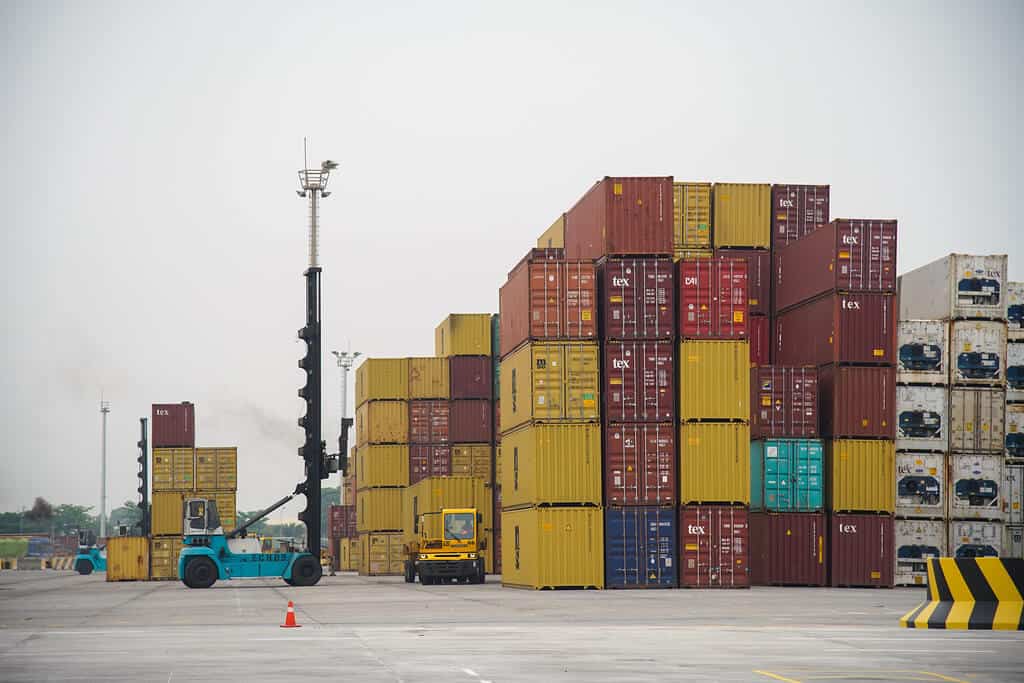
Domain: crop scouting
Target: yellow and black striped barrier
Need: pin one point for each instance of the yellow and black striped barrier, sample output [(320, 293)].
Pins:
[(983, 593)]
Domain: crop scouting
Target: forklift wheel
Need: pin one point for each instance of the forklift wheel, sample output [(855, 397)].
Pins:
[(200, 572), (83, 567), (306, 571)]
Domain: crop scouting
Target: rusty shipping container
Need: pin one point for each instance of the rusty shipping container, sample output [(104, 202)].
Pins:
[(797, 211), (640, 464), (857, 402), (714, 548), (639, 381), (173, 426), (760, 337), (472, 422), (429, 461), (847, 255), (713, 298), (471, 377), (638, 298), (783, 402), (787, 549), (547, 298), (860, 549), (838, 328), (622, 216), (759, 277), (341, 521), (430, 422)]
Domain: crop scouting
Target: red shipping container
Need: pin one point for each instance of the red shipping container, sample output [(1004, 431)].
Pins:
[(341, 521), (760, 334), (838, 328), (429, 422), (847, 255), (860, 549), (547, 298), (797, 211), (621, 216), (174, 425), (639, 381), (857, 402), (787, 549), (471, 376), (471, 422), (429, 461), (783, 402), (714, 546), (759, 277), (713, 301), (639, 298), (640, 464)]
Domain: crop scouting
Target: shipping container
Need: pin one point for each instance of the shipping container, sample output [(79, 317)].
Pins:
[(552, 548), (759, 277), (471, 377), (128, 558), (546, 299), (472, 421), (550, 381), (382, 554), (429, 461), (428, 378), (217, 468), (638, 381), (1014, 426), (552, 464), (922, 421), (341, 521), (621, 216), (921, 485), (497, 465), (472, 460), (783, 402), (1013, 493), (797, 211), (163, 557), (173, 426), (958, 286), (463, 334), (838, 328), (742, 215), (916, 542), (713, 298), (1015, 310), (638, 298), (681, 254), (975, 538), (857, 402), (383, 465), (691, 213), (640, 547), (382, 422), (382, 379), (714, 546), (975, 483), (349, 554), (435, 493), (227, 506), (860, 475), (861, 551), (174, 469), (976, 420), (640, 464), (553, 237), (787, 475), (1013, 542), (977, 352), (922, 355), (760, 336), (166, 512), (379, 510), (1015, 372), (714, 462), (714, 380), (787, 549), (429, 422)]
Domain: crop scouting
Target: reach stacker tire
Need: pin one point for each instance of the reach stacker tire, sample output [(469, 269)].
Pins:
[(306, 571), (83, 567), (200, 572)]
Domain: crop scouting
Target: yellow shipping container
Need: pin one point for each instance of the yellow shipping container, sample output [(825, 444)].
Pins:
[(714, 462), (552, 463), (379, 510), (428, 378), (714, 380), (382, 422), (379, 379), (550, 381), (434, 493), (383, 466), (174, 469), (128, 558), (553, 237), (742, 216), (226, 506), (349, 548), (680, 254), (463, 334), (471, 460), (166, 514), (497, 464), (217, 468), (553, 548), (163, 557), (692, 216), (381, 555), (861, 475)]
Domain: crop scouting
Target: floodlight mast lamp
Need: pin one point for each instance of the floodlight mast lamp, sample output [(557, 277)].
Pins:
[(314, 187)]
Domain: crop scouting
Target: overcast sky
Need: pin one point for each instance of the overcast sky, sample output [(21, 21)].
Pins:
[(153, 245)]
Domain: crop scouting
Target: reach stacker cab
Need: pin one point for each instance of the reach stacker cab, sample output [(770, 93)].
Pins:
[(90, 558), (447, 552)]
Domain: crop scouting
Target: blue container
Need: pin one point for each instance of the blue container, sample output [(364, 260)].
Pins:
[(640, 547), (786, 475)]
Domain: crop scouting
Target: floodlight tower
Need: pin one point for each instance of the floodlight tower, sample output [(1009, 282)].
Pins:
[(104, 410), (346, 359)]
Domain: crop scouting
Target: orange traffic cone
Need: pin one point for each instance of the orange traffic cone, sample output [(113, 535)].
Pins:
[(289, 620)]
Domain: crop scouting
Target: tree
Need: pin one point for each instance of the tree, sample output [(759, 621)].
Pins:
[(259, 528), (328, 497), (70, 518), (128, 514)]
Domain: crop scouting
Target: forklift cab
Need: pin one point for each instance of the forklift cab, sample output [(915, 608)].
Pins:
[(201, 518), (86, 539)]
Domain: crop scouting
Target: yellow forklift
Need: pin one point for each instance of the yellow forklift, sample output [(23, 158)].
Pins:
[(449, 550)]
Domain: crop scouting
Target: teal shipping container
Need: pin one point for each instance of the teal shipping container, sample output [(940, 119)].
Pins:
[(786, 475)]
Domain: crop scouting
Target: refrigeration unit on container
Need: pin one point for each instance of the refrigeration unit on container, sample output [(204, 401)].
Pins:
[(783, 402), (553, 237), (714, 548), (787, 549), (714, 462), (471, 377), (691, 211), (847, 255), (1013, 542), (1015, 310), (621, 216), (472, 421), (379, 510), (552, 548), (797, 211), (860, 475), (917, 541), (742, 215), (976, 420), (861, 551), (640, 547), (638, 298), (975, 484), (429, 422), (922, 354), (382, 422), (977, 352), (551, 464), (921, 418), (714, 380), (760, 336), (640, 464), (838, 328), (381, 379), (1013, 493), (429, 461), (1015, 372), (639, 381), (713, 298), (857, 402), (174, 425), (550, 381), (1014, 425), (759, 277), (429, 378), (921, 485), (958, 286), (383, 465), (787, 475), (975, 538)]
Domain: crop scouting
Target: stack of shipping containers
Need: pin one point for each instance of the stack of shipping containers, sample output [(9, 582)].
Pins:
[(1013, 475), (343, 541)]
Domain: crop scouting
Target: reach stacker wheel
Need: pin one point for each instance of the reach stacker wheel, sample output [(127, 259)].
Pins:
[(83, 567), (200, 572), (306, 571)]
